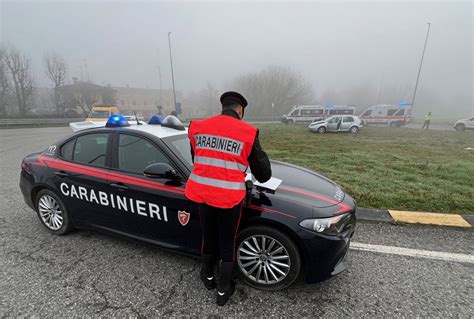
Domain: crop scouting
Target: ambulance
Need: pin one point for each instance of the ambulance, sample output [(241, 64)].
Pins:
[(387, 114), (312, 113)]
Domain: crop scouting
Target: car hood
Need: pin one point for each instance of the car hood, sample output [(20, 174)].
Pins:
[(305, 186), (317, 123)]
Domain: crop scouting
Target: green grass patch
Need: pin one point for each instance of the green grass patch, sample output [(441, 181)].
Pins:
[(381, 167)]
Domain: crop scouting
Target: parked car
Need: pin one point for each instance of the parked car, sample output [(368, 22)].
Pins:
[(337, 123), (128, 179), (464, 124), (311, 113), (387, 114), (133, 117)]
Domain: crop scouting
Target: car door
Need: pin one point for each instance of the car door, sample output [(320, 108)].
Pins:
[(151, 208), (332, 123), (81, 177), (347, 122)]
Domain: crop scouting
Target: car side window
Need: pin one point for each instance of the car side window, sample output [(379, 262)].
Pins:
[(66, 150), (348, 119), (367, 113), (90, 149), (136, 153), (295, 113)]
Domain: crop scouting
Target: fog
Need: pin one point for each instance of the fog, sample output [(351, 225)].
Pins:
[(336, 46)]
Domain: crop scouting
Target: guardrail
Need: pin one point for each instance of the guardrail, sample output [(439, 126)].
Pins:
[(44, 122), (16, 123)]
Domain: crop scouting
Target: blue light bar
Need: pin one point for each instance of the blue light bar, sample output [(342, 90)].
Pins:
[(116, 120), (156, 120)]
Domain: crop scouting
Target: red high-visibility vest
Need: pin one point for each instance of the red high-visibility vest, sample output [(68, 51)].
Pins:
[(222, 145)]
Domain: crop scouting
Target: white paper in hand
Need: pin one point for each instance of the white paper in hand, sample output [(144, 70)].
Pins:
[(271, 184)]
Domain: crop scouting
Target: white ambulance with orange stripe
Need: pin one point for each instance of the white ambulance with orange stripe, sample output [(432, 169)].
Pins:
[(387, 114)]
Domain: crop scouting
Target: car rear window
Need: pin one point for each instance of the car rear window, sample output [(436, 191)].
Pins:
[(99, 114), (90, 149)]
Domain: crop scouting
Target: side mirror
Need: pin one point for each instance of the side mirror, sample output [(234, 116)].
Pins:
[(161, 170)]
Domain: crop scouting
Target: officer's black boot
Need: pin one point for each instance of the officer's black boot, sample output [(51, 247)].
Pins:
[(225, 285), (207, 271)]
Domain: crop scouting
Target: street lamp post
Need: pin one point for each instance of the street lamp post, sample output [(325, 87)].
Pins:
[(419, 70), (172, 73)]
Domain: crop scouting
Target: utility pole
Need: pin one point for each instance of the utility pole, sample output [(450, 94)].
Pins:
[(161, 91), (419, 70), (172, 73)]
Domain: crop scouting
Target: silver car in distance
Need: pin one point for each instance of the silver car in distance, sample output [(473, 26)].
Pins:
[(337, 123)]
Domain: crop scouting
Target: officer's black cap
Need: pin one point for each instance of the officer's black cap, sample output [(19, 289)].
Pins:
[(229, 98)]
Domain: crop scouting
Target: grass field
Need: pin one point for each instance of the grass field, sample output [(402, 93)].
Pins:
[(399, 168)]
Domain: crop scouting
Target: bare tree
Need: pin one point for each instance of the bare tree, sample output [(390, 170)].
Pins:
[(108, 95), (19, 68), (211, 96), (4, 86), (274, 90), (56, 71), (82, 94)]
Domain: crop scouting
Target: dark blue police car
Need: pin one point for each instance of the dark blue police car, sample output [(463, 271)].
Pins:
[(129, 180)]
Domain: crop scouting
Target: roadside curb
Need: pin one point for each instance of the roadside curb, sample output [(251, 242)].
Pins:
[(408, 217)]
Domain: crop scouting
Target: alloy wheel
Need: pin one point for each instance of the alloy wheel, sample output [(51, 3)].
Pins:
[(50, 212), (263, 259)]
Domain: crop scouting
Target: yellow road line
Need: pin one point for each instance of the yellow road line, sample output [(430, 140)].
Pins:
[(428, 218)]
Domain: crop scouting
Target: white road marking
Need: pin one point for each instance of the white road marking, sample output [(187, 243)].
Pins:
[(430, 254)]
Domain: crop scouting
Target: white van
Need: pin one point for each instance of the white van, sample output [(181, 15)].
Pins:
[(311, 113), (387, 114)]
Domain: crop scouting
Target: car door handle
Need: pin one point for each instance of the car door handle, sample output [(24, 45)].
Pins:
[(61, 174), (119, 185)]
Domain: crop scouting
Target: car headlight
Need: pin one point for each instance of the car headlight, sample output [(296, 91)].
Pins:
[(328, 226)]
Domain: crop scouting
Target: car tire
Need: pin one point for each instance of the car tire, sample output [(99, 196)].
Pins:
[(270, 243), (291, 122), (393, 124), (354, 130), (52, 212), (322, 130), (460, 127)]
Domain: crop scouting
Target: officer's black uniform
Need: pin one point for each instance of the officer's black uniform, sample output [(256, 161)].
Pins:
[(219, 226)]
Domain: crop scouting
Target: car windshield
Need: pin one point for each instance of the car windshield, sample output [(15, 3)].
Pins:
[(99, 114), (181, 146)]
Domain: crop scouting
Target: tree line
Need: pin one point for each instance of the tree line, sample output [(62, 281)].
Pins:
[(17, 86)]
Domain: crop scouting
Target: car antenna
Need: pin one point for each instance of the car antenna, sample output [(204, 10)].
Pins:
[(136, 118)]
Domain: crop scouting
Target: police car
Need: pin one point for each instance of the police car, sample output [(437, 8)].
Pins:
[(129, 179)]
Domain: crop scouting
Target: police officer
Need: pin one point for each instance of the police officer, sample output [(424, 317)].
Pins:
[(428, 118), (222, 148)]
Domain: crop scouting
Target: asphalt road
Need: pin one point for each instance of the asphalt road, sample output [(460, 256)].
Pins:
[(90, 274)]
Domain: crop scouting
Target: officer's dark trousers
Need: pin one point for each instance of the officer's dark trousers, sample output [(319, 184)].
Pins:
[(219, 230)]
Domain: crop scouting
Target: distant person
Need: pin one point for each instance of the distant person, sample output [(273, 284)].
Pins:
[(173, 113), (428, 118)]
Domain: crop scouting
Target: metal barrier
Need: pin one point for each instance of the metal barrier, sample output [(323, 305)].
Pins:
[(16, 123)]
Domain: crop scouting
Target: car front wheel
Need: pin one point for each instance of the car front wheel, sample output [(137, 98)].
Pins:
[(322, 130), (460, 127), (267, 258), (52, 213)]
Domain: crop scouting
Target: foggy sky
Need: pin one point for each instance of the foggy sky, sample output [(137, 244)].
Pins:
[(335, 45)]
